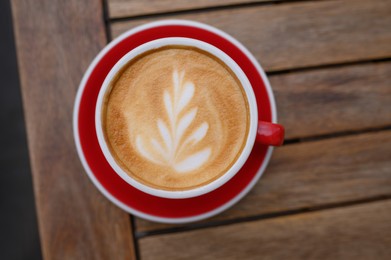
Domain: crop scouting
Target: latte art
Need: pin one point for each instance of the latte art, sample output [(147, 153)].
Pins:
[(175, 118), (169, 152)]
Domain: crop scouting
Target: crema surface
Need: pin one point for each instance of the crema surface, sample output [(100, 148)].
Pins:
[(175, 118)]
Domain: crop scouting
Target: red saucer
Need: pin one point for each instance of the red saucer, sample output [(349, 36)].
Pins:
[(121, 193)]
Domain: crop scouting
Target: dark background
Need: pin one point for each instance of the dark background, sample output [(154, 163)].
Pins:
[(18, 222)]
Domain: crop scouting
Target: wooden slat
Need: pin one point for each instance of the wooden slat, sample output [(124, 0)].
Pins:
[(293, 35), (334, 100), (356, 232), (125, 8), (313, 174), (56, 40)]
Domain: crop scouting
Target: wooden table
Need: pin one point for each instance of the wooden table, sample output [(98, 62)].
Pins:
[(326, 194)]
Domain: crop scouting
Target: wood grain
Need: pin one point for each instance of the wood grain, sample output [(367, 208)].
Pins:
[(356, 232), (296, 35), (314, 174), (124, 8), (56, 40), (342, 99)]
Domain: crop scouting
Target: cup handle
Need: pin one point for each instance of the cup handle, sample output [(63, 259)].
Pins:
[(270, 134)]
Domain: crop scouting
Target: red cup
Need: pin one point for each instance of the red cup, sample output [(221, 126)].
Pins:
[(270, 134)]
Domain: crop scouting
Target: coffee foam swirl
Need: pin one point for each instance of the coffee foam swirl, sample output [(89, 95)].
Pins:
[(169, 151), (176, 118)]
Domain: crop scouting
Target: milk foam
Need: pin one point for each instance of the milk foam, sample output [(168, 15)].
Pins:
[(176, 118), (168, 151)]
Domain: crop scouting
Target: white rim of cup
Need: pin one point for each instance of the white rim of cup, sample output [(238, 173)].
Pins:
[(91, 175), (251, 103)]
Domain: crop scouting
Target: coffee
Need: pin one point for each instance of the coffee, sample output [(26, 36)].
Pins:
[(175, 118)]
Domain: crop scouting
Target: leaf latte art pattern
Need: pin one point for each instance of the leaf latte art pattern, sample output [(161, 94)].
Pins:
[(167, 149)]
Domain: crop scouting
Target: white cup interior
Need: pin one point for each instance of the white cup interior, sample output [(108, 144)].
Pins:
[(252, 109)]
